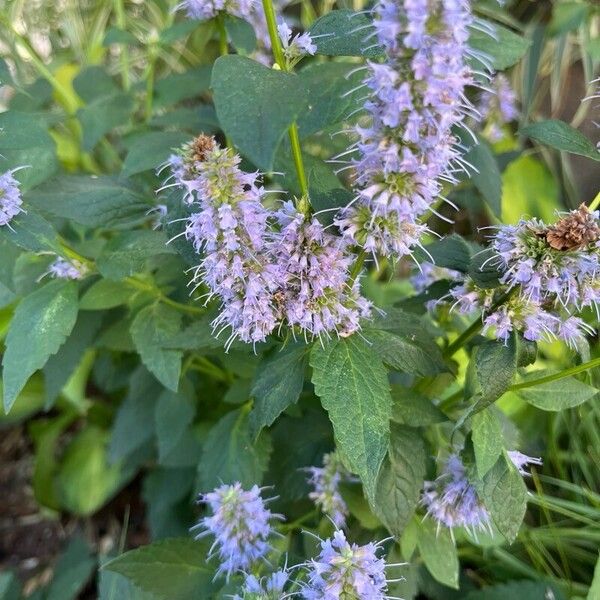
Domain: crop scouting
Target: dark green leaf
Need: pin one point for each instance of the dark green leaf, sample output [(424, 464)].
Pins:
[(73, 570), (413, 409), (181, 86), (486, 177), (31, 232), (484, 269), (345, 33), (126, 253), (243, 94), (277, 384), (352, 383), (150, 329), (24, 141), (174, 569), (560, 394), (488, 441), (401, 479), (94, 82), (149, 150), (241, 34), (451, 252), (519, 590), (194, 120), (98, 201), (505, 496), (105, 294), (40, 326), (177, 31), (231, 455), (502, 50), (10, 586), (561, 136), (438, 552), (102, 115), (114, 35), (173, 414)]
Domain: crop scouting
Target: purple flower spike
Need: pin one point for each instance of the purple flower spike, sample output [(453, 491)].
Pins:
[(10, 198), (326, 494), (207, 9), (452, 501), (240, 524), (344, 570), (521, 461), (266, 588), (67, 269)]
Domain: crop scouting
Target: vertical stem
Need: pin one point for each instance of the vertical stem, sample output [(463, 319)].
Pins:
[(280, 60), (595, 203), (223, 50), (124, 51)]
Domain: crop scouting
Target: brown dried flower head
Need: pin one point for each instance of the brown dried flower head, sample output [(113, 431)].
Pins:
[(201, 146), (575, 230)]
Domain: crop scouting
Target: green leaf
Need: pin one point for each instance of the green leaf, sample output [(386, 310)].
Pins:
[(180, 86), (151, 327), (243, 94), (149, 150), (413, 409), (345, 33), (10, 586), (24, 141), (231, 455), (277, 384), (105, 294), (438, 552), (85, 480), (451, 252), (488, 441), (241, 34), (352, 384), (31, 232), (114, 35), (567, 16), (126, 254), (594, 592), (94, 82), (401, 479), (504, 494), (173, 414), (331, 98), (502, 50), (491, 370), (41, 324), (487, 178), (102, 115), (174, 569), (519, 590), (59, 367), (72, 572), (133, 425), (560, 394), (483, 271), (98, 201), (561, 136), (177, 31)]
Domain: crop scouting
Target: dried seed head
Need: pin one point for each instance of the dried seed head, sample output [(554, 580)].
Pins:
[(575, 230), (201, 146)]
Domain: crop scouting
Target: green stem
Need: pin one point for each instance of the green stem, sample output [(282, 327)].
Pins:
[(358, 265), (280, 60), (145, 287), (555, 376), (223, 49), (124, 51), (595, 202)]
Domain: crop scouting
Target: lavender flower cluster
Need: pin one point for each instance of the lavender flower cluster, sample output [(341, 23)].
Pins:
[(549, 274), (326, 494), (498, 106), (10, 198), (407, 151), (267, 268), (207, 9)]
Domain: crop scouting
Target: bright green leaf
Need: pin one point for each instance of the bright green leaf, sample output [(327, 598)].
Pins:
[(438, 551), (488, 441), (560, 394), (105, 294)]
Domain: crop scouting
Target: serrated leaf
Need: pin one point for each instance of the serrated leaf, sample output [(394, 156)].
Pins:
[(501, 50), (98, 201), (438, 551), (488, 441), (560, 394), (175, 569), (562, 136), (24, 141), (102, 115), (150, 329), (173, 414), (504, 494), (149, 150), (410, 408), (401, 479), (243, 94), (230, 453), (126, 253), (40, 326), (31, 232), (277, 384), (352, 383), (105, 294), (345, 33)]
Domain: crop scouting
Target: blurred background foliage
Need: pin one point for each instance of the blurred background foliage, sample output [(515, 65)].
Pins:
[(119, 84)]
